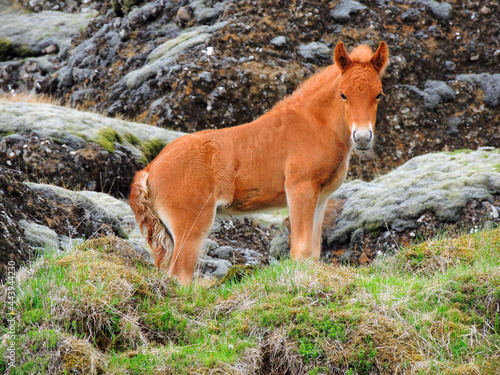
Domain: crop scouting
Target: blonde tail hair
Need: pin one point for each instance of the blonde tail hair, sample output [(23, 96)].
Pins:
[(157, 234)]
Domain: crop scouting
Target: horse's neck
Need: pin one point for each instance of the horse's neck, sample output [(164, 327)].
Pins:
[(327, 108)]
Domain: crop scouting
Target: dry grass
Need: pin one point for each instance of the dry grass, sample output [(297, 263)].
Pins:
[(28, 97)]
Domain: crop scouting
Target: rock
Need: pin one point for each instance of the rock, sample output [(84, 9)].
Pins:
[(450, 66), (30, 33), (46, 217), (410, 15), (279, 41), (206, 76), (184, 15), (452, 125), (168, 52), (423, 195), (315, 50), (440, 10), (203, 14), (342, 12), (280, 247), (76, 149), (253, 257), (96, 221), (67, 6), (39, 237), (490, 84), (435, 93), (223, 252), (213, 267)]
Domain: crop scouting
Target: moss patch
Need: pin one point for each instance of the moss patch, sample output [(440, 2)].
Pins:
[(106, 137), (151, 149), (432, 255), (131, 138), (5, 48)]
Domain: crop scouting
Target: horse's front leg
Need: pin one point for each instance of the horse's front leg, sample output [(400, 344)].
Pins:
[(302, 200), (317, 227)]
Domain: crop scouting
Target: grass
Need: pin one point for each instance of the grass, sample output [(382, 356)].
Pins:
[(28, 97), (430, 309)]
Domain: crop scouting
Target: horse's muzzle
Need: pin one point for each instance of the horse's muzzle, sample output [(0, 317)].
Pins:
[(362, 139)]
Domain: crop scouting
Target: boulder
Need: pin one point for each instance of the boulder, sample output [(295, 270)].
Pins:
[(39, 217), (74, 149)]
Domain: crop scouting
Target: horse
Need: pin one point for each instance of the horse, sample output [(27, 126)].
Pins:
[(295, 155)]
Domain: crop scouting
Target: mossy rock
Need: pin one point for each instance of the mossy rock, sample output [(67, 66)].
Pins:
[(131, 138), (152, 148), (237, 273), (5, 48), (106, 137), (130, 3), (114, 246)]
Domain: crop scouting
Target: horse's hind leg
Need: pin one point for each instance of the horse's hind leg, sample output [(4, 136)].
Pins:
[(190, 229)]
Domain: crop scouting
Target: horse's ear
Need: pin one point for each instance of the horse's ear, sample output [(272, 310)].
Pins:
[(380, 58), (341, 57)]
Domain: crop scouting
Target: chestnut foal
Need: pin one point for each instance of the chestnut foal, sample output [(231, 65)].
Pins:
[(295, 155)]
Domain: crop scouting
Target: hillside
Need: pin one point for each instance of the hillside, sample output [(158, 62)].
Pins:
[(431, 309)]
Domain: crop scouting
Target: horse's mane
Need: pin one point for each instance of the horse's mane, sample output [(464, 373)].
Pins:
[(361, 54)]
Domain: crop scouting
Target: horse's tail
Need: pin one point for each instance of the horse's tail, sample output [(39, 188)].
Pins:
[(157, 234)]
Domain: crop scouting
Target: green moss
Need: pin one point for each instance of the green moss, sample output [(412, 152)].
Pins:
[(237, 273), (459, 151), (152, 148), (5, 48), (131, 138), (117, 8), (46, 339), (373, 228), (130, 3), (5, 134), (106, 137)]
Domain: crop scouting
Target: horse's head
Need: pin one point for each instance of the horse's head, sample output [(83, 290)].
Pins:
[(361, 90)]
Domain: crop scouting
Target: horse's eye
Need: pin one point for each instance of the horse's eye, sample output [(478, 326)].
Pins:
[(343, 96), (379, 96)]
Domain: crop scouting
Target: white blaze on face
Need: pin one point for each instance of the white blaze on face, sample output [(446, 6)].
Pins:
[(362, 136)]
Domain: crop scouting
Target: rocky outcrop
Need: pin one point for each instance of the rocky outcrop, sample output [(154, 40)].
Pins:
[(32, 45), (68, 6), (78, 150), (38, 217), (196, 65)]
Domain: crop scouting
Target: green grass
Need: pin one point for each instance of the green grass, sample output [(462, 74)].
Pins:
[(431, 309)]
